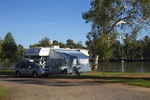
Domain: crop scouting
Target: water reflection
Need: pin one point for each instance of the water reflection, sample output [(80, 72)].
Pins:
[(124, 66)]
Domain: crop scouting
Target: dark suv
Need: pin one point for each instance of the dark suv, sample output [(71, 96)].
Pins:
[(30, 69)]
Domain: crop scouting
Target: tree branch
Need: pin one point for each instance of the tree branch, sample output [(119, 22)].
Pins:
[(108, 32)]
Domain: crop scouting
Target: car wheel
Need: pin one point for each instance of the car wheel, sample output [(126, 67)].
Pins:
[(34, 75), (17, 74)]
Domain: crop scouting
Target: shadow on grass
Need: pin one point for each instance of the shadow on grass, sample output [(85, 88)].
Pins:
[(98, 78), (9, 73), (94, 77), (72, 80)]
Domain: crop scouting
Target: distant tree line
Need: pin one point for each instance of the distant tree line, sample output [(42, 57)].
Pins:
[(10, 51), (46, 42), (131, 48)]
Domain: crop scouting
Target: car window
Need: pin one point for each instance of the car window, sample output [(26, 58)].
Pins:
[(22, 65), (18, 64), (30, 65)]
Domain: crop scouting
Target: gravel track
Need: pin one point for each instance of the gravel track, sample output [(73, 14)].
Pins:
[(70, 89)]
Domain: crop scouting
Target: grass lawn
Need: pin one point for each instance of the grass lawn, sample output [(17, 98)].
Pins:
[(3, 92), (136, 79), (138, 82), (6, 72)]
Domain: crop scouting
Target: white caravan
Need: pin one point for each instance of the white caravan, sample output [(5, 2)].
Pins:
[(60, 60)]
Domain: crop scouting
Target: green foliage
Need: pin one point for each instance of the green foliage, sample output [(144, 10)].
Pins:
[(103, 48), (138, 82), (70, 44), (55, 43), (9, 48), (111, 16), (3, 92), (146, 47), (34, 45), (117, 50), (45, 42), (21, 51), (62, 45), (131, 46), (135, 79), (1, 42)]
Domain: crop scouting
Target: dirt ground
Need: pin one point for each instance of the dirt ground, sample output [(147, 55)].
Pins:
[(70, 89)]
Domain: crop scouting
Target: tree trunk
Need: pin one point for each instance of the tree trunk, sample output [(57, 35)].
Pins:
[(95, 63)]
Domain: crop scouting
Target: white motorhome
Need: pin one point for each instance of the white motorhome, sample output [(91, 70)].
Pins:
[(60, 60)]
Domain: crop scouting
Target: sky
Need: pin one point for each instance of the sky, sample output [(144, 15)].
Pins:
[(29, 21)]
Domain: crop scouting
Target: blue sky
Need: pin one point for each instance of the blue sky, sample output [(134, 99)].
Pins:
[(30, 21)]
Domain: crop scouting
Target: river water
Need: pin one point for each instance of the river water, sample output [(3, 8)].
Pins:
[(143, 67)]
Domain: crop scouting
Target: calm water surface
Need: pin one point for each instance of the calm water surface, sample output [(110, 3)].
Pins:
[(124, 66)]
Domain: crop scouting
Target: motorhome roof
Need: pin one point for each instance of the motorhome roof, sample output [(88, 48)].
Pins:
[(37, 52)]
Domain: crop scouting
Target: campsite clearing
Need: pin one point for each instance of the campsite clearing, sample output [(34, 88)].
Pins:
[(70, 89)]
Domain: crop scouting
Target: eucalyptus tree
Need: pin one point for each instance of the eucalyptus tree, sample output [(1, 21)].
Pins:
[(110, 16)]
